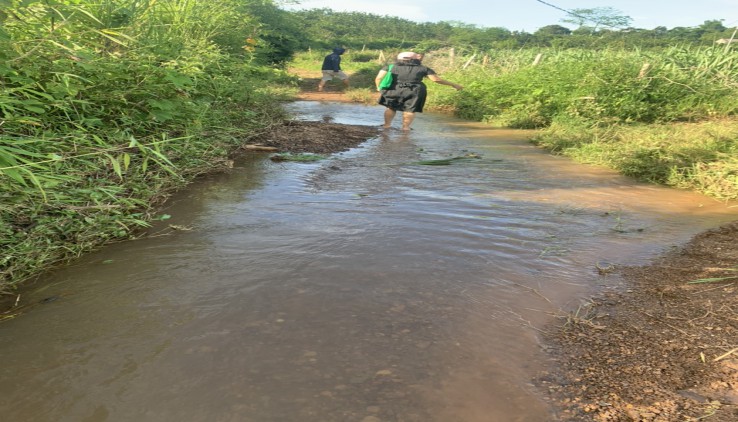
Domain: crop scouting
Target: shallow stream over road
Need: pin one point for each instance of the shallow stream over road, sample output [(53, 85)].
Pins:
[(362, 288)]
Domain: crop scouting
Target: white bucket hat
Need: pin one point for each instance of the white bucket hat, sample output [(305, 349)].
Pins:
[(408, 55)]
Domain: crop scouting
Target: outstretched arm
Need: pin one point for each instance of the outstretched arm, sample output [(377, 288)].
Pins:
[(437, 79)]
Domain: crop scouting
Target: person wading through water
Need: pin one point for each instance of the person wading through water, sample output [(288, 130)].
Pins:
[(407, 92), (332, 69)]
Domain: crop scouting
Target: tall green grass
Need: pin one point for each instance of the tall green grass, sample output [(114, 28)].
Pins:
[(699, 156), (605, 87), (106, 107), (667, 117)]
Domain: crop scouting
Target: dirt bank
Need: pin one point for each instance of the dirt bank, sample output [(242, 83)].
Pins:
[(663, 349)]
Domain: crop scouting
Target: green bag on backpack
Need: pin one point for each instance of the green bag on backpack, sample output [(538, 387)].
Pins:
[(386, 82)]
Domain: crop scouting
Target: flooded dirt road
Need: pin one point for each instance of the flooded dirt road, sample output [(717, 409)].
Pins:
[(366, 287)]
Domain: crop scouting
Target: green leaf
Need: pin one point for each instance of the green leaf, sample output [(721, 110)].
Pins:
[(107, 35), (711, 279), (116, 165), (86, 13), (178, 80), (34, 109), (15, 175), (126, 161)]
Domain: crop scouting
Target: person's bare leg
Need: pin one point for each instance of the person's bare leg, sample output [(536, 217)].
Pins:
[(321, 85), (407, 120), (389, 114)]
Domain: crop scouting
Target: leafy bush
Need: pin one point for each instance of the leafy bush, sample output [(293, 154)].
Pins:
[(362, 56), (605, 87), (699, 156), (107, 107)]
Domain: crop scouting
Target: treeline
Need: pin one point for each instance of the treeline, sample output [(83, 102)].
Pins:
[(324, 28)]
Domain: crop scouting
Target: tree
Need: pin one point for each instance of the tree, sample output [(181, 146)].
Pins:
[(497, 33), (713, 26), (599, 16), (552, 30)]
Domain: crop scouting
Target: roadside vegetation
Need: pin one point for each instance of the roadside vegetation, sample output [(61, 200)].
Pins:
[(666, 117), (107, 107)]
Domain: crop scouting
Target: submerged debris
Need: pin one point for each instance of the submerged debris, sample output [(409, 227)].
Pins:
[(447, 161), (302, 158)]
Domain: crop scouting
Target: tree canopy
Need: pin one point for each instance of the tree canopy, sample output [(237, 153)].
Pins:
[(600, 27)]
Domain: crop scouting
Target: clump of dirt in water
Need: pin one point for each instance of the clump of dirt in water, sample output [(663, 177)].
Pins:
[(315, 137)]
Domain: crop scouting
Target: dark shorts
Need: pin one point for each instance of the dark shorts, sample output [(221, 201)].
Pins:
[(405, 97)]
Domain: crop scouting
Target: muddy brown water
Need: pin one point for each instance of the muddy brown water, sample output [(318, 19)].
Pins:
[(360, 288)]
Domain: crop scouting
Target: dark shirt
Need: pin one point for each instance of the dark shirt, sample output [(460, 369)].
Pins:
[(332, 62), (410, 72)]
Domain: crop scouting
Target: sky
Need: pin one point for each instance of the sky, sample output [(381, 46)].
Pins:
[(529, 15)]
